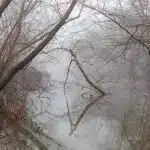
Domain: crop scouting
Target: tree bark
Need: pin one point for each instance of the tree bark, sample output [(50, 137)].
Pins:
[(4, 5)]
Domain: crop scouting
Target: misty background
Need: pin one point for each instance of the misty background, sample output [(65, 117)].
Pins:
[(88, 87)]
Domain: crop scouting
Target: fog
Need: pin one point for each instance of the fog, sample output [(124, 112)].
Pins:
[(74, 74)]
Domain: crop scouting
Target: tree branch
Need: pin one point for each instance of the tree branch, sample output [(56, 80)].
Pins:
[(4, 5), (6, 78), (121, 26)]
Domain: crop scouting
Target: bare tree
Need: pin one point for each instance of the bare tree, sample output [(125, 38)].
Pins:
[(113, 58), (19, 44)]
